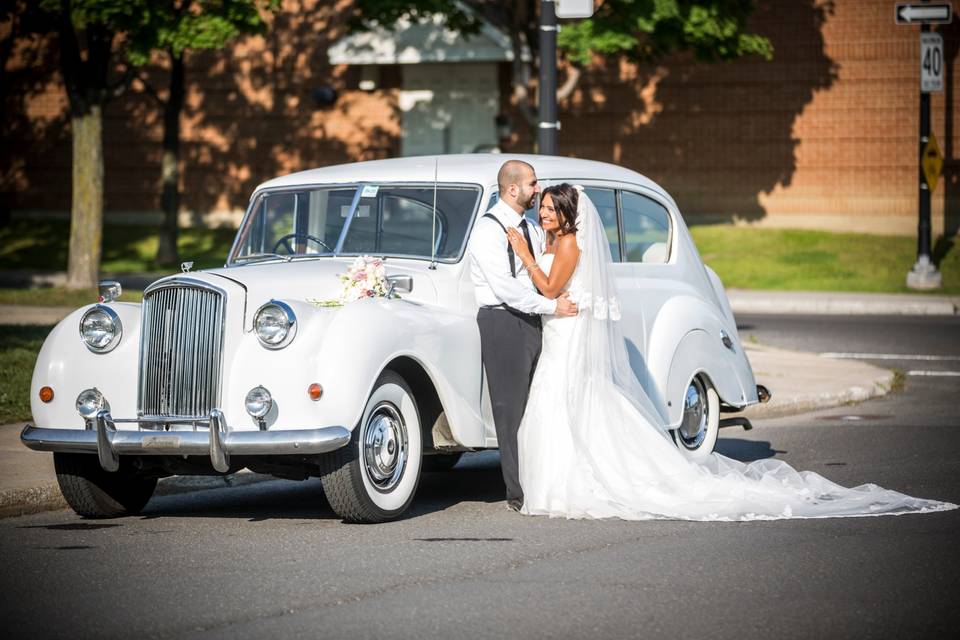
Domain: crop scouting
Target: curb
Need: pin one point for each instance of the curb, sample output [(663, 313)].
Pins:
[(21, 502), (879, 386), (820, 303)]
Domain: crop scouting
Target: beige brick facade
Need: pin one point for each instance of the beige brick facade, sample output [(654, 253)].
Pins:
[(823, 136)]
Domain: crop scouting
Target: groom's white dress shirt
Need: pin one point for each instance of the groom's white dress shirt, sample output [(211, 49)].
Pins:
[(490, 266)]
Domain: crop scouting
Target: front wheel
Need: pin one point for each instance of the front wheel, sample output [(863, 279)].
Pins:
[(374, 478), (697, 434), (95, 493)]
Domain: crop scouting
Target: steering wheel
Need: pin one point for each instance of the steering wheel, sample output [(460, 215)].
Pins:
[(285, 242)]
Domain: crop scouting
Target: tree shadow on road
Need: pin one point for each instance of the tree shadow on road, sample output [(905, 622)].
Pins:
[(745, 450)]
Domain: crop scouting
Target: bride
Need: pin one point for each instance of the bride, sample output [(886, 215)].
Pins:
[(592, 445)]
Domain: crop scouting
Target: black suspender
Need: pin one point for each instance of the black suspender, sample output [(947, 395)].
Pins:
[(510, 254)]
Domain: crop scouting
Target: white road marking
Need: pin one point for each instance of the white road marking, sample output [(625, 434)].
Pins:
[(944, 374), (888, 356)]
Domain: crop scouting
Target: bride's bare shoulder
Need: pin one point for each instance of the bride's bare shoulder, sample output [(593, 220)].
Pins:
[(567, 243)]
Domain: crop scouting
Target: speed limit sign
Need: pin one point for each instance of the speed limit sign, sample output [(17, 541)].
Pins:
[(931, 62)]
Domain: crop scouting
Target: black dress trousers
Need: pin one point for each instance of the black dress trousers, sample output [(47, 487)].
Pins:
[(510, 344)]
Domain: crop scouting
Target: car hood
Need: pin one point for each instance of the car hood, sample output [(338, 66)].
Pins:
[(302, 280)]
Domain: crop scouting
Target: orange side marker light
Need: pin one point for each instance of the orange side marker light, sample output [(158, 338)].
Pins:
[(46, 394)]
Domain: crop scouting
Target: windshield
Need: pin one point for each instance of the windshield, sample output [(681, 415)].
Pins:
[(386, 220)]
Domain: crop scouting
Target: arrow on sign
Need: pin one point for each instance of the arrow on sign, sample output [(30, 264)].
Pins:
[(924, 13)]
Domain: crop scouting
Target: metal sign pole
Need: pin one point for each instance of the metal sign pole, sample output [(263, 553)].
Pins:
[(924, 274), (547, 129)]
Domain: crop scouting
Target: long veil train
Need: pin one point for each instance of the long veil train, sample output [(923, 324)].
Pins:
[(618, 459)]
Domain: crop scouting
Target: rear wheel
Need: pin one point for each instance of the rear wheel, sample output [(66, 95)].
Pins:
[(95, 493), (697, 434), (374, 478)]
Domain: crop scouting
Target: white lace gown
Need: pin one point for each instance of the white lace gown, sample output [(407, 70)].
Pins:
[(622, 466)]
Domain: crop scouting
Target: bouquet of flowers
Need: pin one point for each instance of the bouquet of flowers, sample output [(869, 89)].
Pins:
[(366, 278)]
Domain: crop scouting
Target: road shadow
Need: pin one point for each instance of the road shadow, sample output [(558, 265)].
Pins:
[(476, 478), (746, 450)]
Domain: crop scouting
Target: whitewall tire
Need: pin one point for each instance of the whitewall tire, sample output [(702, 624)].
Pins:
[(374, 478), (697, 434)]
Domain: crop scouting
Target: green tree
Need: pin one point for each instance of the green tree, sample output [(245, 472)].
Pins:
[(90, 34), (640, 30), (170, 29)]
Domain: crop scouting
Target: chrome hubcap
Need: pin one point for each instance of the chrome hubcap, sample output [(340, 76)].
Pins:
[(385, 446), (696, 415)]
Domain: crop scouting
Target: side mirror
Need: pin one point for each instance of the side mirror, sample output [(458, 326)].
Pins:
[(109, 290), (399, 284)]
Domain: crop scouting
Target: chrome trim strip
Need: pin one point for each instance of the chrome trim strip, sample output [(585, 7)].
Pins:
[(219, 457), (145, 443), (109, 459)]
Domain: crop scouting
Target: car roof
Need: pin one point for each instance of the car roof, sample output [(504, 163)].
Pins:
[(466, 167)]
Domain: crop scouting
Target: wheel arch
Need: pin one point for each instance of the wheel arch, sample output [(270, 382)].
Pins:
[(429, 405), (696, 355)]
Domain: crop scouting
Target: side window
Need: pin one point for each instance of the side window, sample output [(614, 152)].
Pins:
[(646, 229), (606, 203)]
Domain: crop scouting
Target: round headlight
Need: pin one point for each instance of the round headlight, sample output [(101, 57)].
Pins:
[(100, 329), (275, 324), (259, 401), (89, 403)]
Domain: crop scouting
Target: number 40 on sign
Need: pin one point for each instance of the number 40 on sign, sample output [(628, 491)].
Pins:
[(931, 62)]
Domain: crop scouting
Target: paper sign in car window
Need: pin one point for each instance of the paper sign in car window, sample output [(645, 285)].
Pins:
[(363, 211), (369, 191)]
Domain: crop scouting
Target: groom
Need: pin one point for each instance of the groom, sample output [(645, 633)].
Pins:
[(510, 309)]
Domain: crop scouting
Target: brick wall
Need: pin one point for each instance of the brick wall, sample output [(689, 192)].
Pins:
[(823, 136)]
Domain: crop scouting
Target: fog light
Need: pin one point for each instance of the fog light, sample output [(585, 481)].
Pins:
[(89, 403), (46, 394), (315, 391), (259, 402)]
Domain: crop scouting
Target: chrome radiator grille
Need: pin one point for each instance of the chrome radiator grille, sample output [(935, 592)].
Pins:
[(181, 349)]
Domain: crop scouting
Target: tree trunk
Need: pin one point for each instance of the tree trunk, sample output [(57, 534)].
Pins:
[(86, 220), (170, 167)]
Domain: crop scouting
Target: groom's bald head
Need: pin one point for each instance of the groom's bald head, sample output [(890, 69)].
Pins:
[(512, 172), (518, 186)]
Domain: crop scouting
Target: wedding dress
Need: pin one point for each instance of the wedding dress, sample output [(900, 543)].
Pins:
[(592, 445)]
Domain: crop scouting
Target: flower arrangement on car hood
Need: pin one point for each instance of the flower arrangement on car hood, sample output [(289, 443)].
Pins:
[(366, 278)]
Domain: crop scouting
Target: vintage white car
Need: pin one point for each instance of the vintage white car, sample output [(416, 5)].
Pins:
[(229, 368)]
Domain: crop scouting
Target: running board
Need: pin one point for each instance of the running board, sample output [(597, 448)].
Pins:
[(736, 422)]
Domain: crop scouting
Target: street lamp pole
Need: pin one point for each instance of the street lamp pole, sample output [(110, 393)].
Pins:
[(548, 125)]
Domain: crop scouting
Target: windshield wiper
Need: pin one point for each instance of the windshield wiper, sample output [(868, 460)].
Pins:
[(257, 257)]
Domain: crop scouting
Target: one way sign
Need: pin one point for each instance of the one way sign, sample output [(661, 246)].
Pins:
[(927, 13)]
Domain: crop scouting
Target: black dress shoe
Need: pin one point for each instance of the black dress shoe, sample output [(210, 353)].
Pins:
[(514, 504)]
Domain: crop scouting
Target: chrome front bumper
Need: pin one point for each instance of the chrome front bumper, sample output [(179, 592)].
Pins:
[(217, 441)]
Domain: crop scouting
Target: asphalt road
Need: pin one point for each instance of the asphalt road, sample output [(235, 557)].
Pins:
[(272, 560)]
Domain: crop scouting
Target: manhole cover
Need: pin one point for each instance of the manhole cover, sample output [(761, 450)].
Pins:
[(856, 417)]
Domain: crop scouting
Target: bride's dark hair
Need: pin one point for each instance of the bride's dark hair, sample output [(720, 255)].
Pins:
[(565, 199)]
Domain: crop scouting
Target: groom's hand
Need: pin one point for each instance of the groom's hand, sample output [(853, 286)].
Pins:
[(566, 307)]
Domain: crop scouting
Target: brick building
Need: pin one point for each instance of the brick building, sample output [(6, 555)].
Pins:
[(823, 136)]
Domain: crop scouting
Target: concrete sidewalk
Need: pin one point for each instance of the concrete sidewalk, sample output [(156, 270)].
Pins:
[(799, 382)]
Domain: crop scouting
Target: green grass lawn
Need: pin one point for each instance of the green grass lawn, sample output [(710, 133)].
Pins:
[(57, 297), (800, 260), (744, 257), (18, 353), (42, 245)]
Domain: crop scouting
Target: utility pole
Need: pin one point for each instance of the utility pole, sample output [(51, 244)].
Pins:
[(548, 125)]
